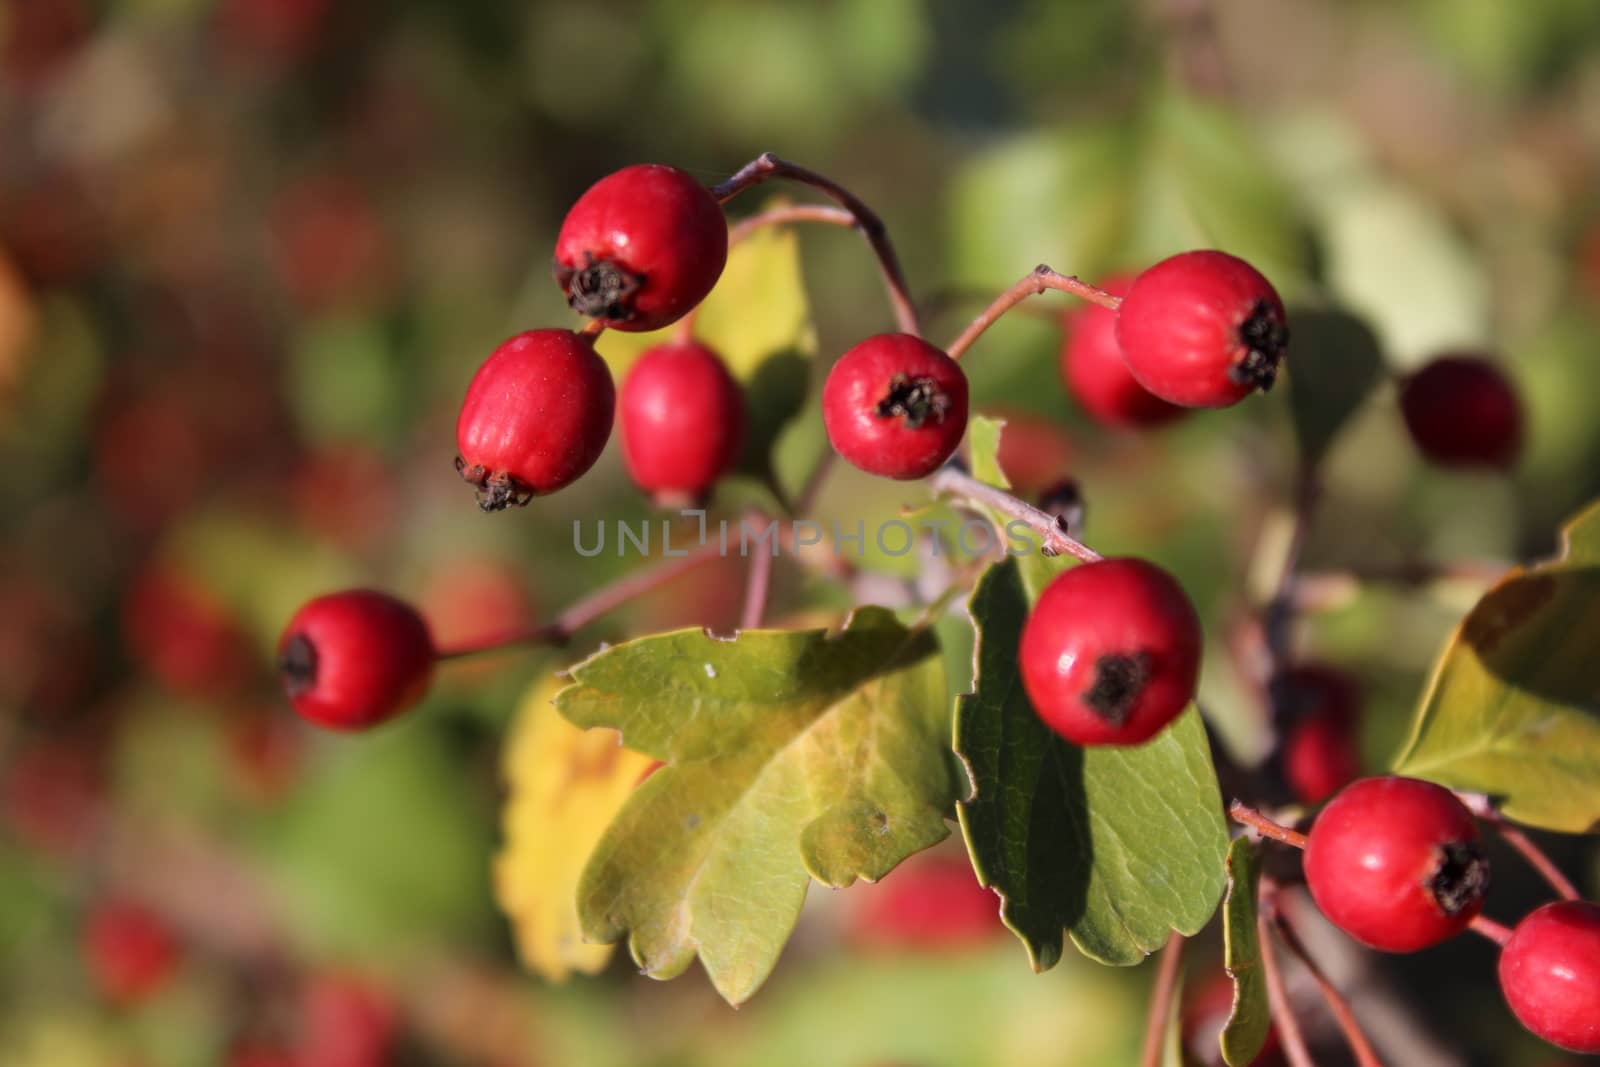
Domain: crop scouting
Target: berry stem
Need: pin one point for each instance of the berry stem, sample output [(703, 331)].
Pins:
[(592, 329), (768, 166), (1033, 283), (1054, 539), (1248, 816), (758, 585), (1525, 846), (601, 602), (1155, 1026), (1487, 927), (1294, 1041), (1360, 1047)]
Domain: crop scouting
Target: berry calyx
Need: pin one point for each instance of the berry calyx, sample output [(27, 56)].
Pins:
[(1202, 329), (641, 247), (1463, 412), (130, 951), (683, 421), (1320, 708), (895, 406), (1396, 864), (536, 416), (354, 659), (1111, 652), (1550, 974), (1096, 375)]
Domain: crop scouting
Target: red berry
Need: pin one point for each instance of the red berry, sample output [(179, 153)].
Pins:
[(1111, 652), (896, 406), (179, 631), (129, 950), (1096, 375), (1202, 329), (931, 902), (536, 417), (1395, 863), (1463, 412), (354, 659), (346, 1022), (1321, 709), (683, 422), (1550, 974), (641, 247)]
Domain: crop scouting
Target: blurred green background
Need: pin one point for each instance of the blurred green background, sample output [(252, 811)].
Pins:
[(252, 250)]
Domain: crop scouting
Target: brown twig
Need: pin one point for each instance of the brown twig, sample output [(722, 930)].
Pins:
[(1036, 281), (1522, 843), (768, 166), (1054, 539), (1362, 1048), (1155, 1027), (758, 585), (1294, 1041), (1248, 816)]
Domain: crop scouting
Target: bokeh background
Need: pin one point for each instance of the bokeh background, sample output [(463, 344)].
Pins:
[(252, 250)]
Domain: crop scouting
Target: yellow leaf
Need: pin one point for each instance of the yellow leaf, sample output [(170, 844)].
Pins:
[(565, 786)]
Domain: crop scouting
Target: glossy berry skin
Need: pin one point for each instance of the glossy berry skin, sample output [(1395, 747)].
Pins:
[(1202, 329), (683, 422), (536, 417), (1463, 412), (1550, 974), (641, 247), (895, 406), (129, 950), (1095, 374), (354, 659), (1321, 710), (1395, 863), (1111, 652)]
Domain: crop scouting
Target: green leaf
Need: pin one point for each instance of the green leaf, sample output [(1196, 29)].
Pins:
[(1513, 709), (1245, 1032), (1333, 364), (789, 756), (1116, 846)]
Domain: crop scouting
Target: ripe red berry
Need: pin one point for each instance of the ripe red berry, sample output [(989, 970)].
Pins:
[(536, 417), (895, 406), (1096, 375), (354, 659), (129, 950), (1463, 412), (1111, 652), (1395, 863), (1320, 709), (1202, 329), (683, 420), (1550, 974), (641, 247)]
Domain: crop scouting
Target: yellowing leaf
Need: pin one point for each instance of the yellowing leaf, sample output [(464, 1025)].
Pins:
[(1513, 709), (566, 785)]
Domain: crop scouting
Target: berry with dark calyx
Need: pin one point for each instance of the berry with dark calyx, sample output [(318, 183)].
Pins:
[(354, 659), (1202, 329), (1095, 373), (1463, 412), (1319, 707), (641, 247), (683, 421), (895, 406), (130, 951), (1396, 864), (1111, 652), (1550, 974), (536, 417)]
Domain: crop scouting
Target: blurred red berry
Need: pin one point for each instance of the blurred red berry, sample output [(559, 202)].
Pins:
[(51, 792), (1321, 713), (931, 902), (470, 600), (1035, 452), (1462, 411), (37, 37), (181, 633), (129, 950), (683, 420), (346, 494), (279, 31), (346, 1021), (1095, 373), (1206, 1008), (332, 248)]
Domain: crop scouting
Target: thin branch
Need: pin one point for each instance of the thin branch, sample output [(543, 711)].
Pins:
[(1294, 1041), (768, 166), (1033, 283), (1053, 536), (1155, 1026), (1487, 927), (758, 585), (1248, 816), (1528, 849), (1364, 1053)]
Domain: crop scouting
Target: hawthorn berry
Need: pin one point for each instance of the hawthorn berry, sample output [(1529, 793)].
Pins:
[(641, 247), (931, 903), (536, 417), (1202, 329), (1111, 652), (1395, 863), (683, 420), (1320, 707), (129, 950), (1096, 375), (1550, 974), (354, 659), (1462, 412), (895, 406)]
